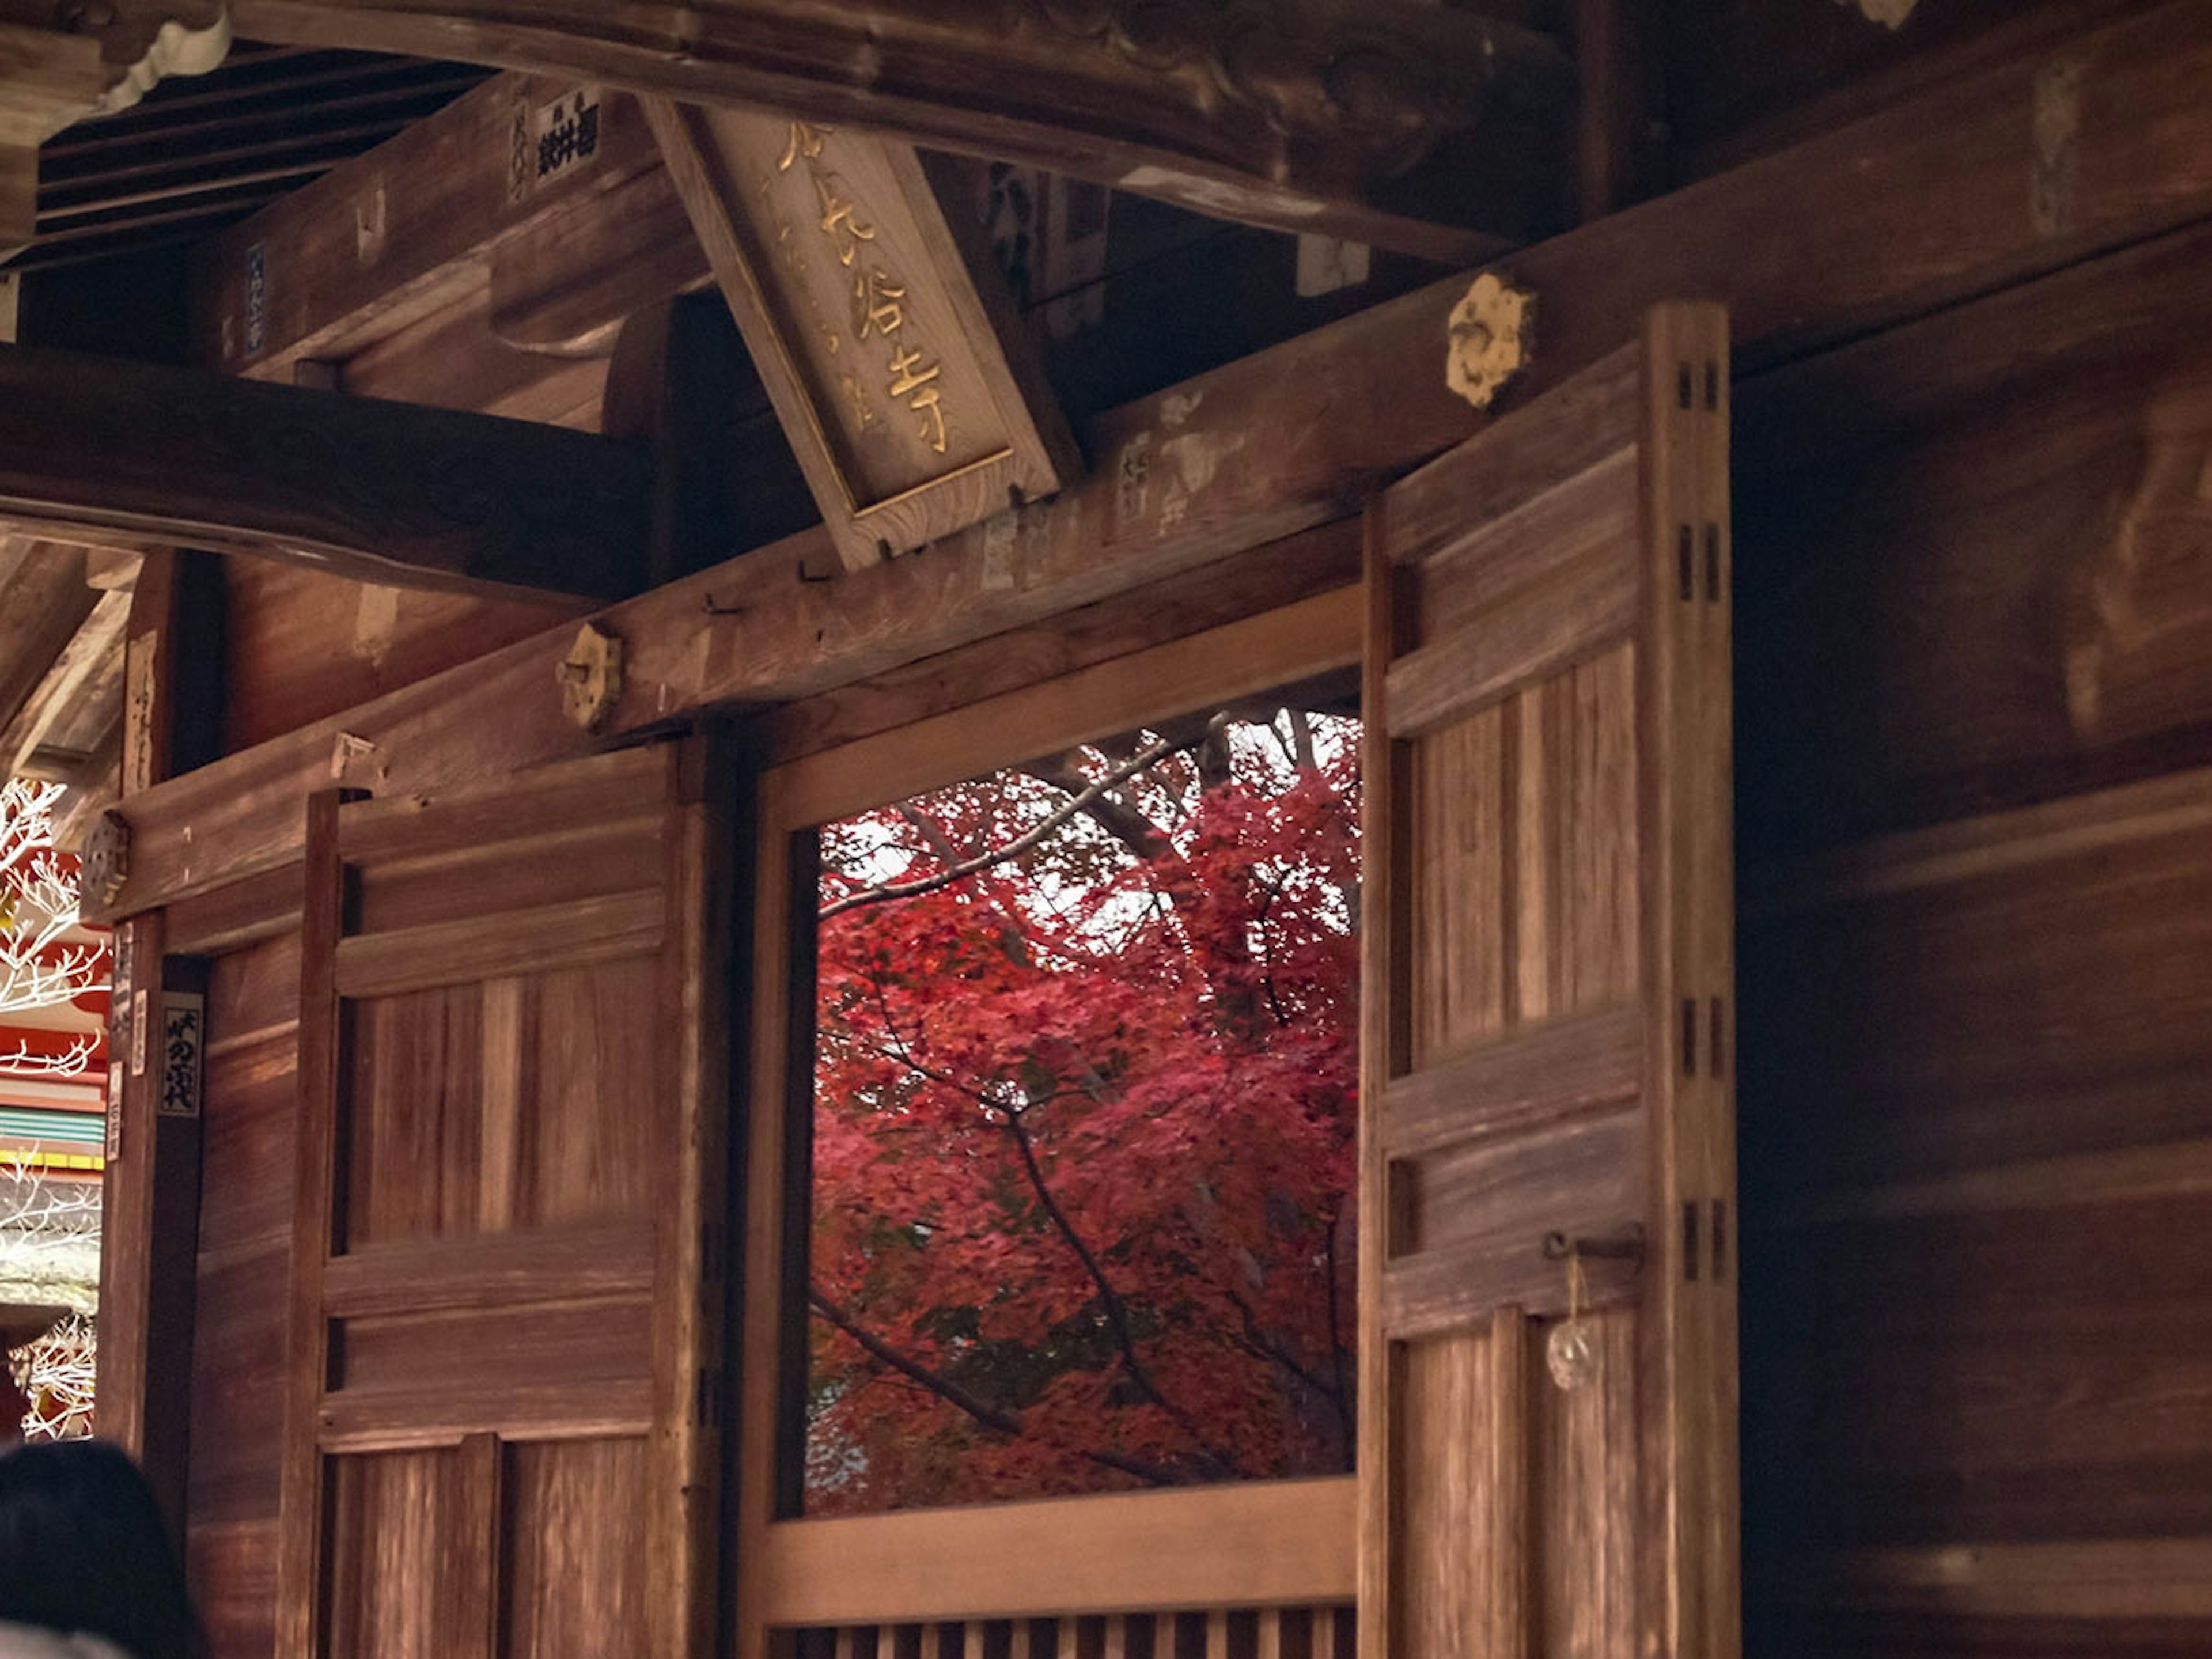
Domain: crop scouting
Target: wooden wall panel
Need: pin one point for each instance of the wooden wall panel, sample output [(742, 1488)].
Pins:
[(2006, 602), (503, 1291), (1450, 1517), (1584, 1451), (419, 1064), (601, 1125), (582, 1342), (512, 1102), (1977, 992), (301, 644), (2064, 1009)]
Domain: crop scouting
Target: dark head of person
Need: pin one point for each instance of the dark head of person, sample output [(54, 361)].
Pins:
[(84, 1551)]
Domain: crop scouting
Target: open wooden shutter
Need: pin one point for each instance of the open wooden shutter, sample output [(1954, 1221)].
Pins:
[(1550, 935), (500, 1437)]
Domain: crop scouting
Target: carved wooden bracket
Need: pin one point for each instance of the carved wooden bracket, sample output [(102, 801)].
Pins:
[(1492, 333), (62, 60), (591, 677)]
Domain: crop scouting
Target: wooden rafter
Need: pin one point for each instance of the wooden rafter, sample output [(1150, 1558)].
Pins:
[(100, 57), (101, 449), (438, 214), (62, 611), (1302, 114), (87, 668), (43, 602)]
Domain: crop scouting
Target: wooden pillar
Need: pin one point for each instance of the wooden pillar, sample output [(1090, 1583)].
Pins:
[(150, 1230)]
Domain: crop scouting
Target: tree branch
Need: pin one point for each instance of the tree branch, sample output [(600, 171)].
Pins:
[(1022, 843), (1117, 1311), (991, 1417)]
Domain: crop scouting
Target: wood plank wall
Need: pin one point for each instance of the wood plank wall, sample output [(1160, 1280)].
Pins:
[(1976, 688), (1976, 1121), (301, 644)]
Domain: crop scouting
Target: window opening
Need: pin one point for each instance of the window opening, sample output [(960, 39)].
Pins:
[(1083, 1120)]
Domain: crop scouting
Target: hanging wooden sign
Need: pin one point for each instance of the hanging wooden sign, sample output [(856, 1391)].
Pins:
[(914, 412)]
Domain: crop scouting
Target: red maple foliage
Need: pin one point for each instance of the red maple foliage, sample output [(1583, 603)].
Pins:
[(1085, 1101)]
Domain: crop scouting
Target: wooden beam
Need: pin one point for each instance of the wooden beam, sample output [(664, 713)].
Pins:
[(1297, 114), (1807, 248), (2143, 1579), (94, 651), (404, 230), (377, 491), (44, 602), (1266, 1542)]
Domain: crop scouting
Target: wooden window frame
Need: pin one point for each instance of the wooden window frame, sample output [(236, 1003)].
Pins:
[(1289, 1542)]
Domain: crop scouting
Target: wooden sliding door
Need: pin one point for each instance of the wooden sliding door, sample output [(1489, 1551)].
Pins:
[(500, 1437), (1549, 1436)]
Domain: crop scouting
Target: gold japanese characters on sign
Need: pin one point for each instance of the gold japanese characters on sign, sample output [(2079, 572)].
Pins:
[(878, 297), (900, 394)]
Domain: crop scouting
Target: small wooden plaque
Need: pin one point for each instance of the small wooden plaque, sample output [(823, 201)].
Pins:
[(184, 1047), (913, 414)]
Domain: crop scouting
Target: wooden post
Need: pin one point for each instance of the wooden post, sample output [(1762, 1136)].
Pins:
[(150, 1232)]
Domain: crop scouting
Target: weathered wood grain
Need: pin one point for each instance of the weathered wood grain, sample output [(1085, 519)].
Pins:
[(1286, 1542), (1549, 812), (103, 448), (1190, 114), (1179, 484), (548, 937), (1541, 1073), (903, 388), (610, 1259)]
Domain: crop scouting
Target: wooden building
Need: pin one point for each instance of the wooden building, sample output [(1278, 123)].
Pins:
[(1760, 457)]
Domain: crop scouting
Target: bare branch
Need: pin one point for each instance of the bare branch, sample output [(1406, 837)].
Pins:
[(1033, 836)]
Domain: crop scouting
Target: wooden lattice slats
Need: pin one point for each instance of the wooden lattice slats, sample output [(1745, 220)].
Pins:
[(1310, 1632)]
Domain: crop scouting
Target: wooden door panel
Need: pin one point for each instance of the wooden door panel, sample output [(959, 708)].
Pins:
[(575, 1579), (505, 1305), (1549, 1139), (398, 1583)]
